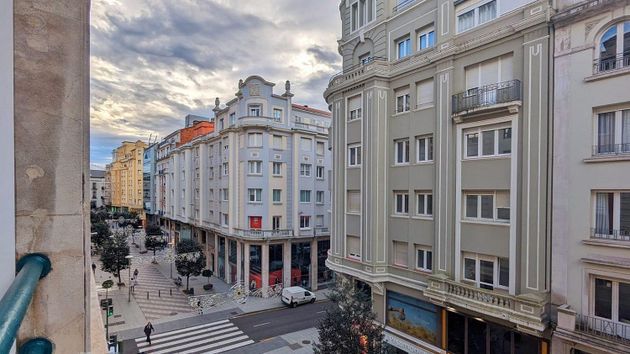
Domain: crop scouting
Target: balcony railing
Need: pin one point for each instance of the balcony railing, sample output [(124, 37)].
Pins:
[(613, 331), (264, 234), (403, 5), (489, 95), (609, 234), (357, 70), (16, 300), (611, 149), (612, 63)]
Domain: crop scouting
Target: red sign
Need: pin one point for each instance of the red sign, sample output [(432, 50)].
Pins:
[(255, 222)]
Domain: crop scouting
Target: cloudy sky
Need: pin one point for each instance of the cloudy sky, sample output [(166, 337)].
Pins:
[(154, 61)]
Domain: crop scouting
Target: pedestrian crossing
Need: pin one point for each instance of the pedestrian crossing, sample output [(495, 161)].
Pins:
[(208, 338)]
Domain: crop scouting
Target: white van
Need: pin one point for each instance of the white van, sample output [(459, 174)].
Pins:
[(296, 295)]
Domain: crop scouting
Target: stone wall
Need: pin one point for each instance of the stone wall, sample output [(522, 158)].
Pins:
[(51, 53)]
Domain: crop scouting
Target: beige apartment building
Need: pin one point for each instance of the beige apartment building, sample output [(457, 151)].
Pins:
[(591, 189), (125, 177), (440, 138)]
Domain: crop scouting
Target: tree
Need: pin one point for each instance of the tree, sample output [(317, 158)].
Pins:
[(348, 326), (113, 259), (185, 263), (102, 233), (154, 230), (154, 243), (207, 273)]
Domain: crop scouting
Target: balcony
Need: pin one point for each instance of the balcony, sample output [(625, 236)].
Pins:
[(263, 234), (487, 99), (314, 232), (609, 335), (610, 235), (355, 72), (527, 312), (402, 4), (611, 64)]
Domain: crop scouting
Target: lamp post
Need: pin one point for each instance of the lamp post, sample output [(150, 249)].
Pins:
[(129, 257)]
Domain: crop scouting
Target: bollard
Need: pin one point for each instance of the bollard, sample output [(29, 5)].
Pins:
[(147, 295), (159, 293)]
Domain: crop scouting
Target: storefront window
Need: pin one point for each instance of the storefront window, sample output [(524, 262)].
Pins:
[(232, 259), (324, 275), (412, 316), (456, 333), (221, 259), (255, 267), (301, 264), (275, 264)]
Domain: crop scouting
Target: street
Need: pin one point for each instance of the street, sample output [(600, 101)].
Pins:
[(243, 333)]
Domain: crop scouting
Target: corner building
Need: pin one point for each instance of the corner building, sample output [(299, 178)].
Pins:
[(441, 135), (255, 191), (125, 177), (591, 191)]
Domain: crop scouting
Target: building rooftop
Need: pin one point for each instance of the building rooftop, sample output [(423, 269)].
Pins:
[(97, 174), (311, 110)]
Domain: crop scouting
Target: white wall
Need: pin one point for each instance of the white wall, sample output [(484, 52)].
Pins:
[(7, 186)]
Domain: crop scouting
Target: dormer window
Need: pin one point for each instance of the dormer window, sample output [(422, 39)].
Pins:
[(255, 110), (614, 48)]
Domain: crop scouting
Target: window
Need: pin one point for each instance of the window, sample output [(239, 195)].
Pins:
[(211, 172), (400, 253), (353, 201), (354, 108), (255, 167), (224, 194), (353, 246), (319, 172), (305, 144), (277, 196), (401, 151), (424, 95), (362, 13), (232, 118), (255, 195), (221, 125), (354, 155), (612, 215), (613, 132), (319, 197), (277, 114), (494, 142), (614, 50), (611, 299), (224, 219), (403, 47), (277, 142), (225, 169), (426, 38), (255, 110), (320, 148), (305, 196), (487, 272), (276, 168), (482, 206), (402, 102), (424, 204), (365, 59), (424, 148), (401, 203), (319, 221), (305, 222), (305, 170), (489, 72), (254, 139), (424, 259), (275, 222), (477, 16)]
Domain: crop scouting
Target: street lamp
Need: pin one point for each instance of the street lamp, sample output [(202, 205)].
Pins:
[(129, 257)]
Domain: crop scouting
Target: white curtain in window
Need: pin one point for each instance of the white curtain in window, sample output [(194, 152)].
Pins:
[(466, 20), (606, 132), (602, 214), (625, 130), (487, 12)]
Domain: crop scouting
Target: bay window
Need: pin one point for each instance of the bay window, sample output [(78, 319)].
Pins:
[(492, 206), (487, 272), (488, 142)]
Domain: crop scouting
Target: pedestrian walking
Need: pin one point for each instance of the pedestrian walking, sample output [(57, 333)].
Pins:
[(135, 283), (147, 330), (94, 268), (135, 273)]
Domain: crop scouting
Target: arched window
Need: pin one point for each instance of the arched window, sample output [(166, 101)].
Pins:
[(614, 48)]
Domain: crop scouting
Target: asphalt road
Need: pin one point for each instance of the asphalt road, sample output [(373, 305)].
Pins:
[(276, 322)]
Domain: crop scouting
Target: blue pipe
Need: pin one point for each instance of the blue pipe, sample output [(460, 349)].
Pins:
[(16, 300)]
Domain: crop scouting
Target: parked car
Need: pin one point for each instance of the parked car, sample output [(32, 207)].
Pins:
[(296, 295)]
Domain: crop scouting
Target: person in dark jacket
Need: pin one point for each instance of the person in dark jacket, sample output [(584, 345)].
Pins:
[(147, 330)]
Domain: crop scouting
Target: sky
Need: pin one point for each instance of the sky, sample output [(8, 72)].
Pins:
[(154, 61)]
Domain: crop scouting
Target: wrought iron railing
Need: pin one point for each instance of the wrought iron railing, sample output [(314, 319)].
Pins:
[(356, 70), (613, 331), (610, 234), (403, 5), (611, 63), (611, 149), (16, 300), (488, 95)]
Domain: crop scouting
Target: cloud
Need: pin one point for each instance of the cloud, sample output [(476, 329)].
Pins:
[(154, 61)]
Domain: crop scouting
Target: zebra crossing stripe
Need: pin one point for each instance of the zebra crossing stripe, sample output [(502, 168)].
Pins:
[(229, 347), (159, 335), (217, 341), (183, 337)]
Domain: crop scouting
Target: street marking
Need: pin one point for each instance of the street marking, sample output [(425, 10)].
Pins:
[(213, 324), (186, 342), (230, 347), (261, 324), (210, 346), (321, 311), (213, 330), (214, 345)]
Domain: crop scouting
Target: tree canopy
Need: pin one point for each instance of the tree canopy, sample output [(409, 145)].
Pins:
[(154, 243), (186, 264), (113, 260), (102, 233)]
